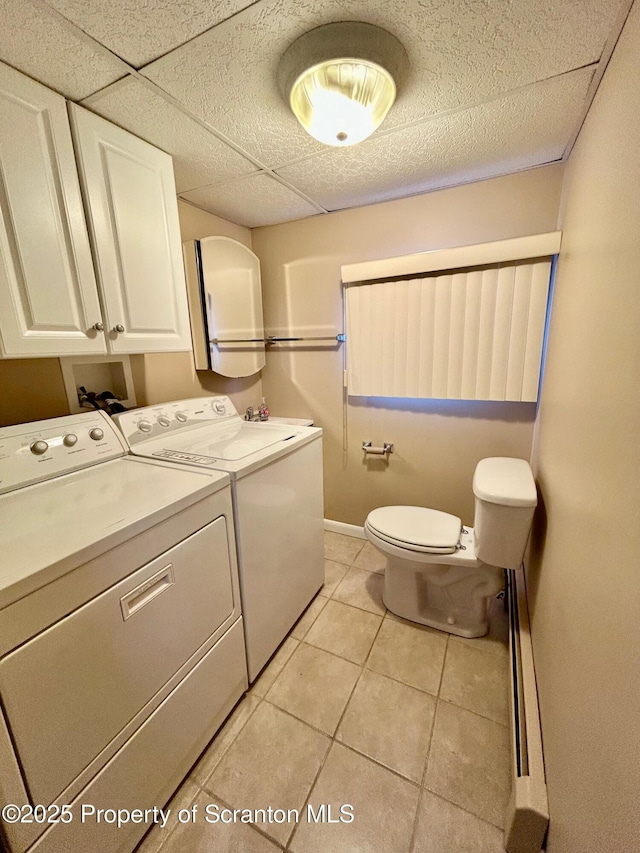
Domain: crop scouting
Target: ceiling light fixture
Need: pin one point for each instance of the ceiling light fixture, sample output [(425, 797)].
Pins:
[(341, 79)]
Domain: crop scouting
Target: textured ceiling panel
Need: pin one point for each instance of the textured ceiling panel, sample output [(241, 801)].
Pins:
[(257, 200), (489, 90), (461, 52), (199, 157), (36, 43), (516, 132), (227, 77), (141, 31)]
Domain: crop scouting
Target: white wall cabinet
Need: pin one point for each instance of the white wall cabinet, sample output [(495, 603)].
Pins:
[(132, 213), (48, 296), (51, 303)]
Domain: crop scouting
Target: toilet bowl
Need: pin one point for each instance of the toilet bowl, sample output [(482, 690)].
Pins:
[(442, 574)]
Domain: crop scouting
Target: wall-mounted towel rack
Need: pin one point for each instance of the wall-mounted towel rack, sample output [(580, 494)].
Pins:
[(273, 339), (237, 341)]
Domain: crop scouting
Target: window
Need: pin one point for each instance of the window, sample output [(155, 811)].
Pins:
[(475, 333)]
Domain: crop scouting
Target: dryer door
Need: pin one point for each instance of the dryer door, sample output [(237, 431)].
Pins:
[(70, 690)]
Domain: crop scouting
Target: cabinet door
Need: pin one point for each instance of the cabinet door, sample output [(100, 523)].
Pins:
[(48, 294), (133, 220)]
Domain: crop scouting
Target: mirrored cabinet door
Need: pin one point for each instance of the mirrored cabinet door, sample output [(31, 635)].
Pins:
[(226, 306)]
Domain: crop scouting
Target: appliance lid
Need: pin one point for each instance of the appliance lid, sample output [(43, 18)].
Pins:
[(208, 433), (417, 527), (234, 442), (506, 481), (52, 527)]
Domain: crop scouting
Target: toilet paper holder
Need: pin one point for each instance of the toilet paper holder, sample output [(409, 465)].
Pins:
[(385, 450)]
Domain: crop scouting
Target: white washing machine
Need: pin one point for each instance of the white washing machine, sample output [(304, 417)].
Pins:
[(121, 640), (276, 479)]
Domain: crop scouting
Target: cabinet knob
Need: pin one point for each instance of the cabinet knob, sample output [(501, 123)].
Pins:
[(99, 327), (118, 328)]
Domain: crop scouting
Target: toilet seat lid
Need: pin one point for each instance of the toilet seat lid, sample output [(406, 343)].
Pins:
[(417, 528)]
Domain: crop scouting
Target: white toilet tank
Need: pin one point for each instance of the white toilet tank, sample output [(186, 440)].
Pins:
[(506, 498)]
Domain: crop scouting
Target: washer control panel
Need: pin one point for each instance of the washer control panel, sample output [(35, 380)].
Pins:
[(153, 421), (37, 451)]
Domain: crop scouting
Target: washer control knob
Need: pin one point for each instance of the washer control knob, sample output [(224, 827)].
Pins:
[(145, 426), (220, 408), (180, 416), (96, 434), (164, 421), (39, 447), (70, 439)]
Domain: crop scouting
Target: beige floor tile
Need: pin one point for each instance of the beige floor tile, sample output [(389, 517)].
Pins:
[(390, 722), (274, 667), (468, 762), (370, 559), (315, 686), (309, 616), (444, 828), (476, 680), (341, 549), (223, 740), (362, 589), (345, 631), (333, 574), (497, 640), (273, 762), (153, 841), (409, 653), (384, 808), (204, 836), (182, 798)]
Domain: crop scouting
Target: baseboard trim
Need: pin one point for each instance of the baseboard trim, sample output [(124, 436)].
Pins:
[(345, 529)]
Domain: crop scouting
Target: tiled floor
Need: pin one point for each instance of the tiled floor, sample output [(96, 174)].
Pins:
[(406, 725)]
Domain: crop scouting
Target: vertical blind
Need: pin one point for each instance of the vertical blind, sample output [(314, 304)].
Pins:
[(471, 334)]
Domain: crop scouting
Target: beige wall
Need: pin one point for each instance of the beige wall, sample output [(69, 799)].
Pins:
[(196, 223), (584, 579), (160, 377), (32, 388), (437, 443)]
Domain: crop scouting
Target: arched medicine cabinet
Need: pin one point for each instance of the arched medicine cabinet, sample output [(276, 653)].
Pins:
[(225, 303)]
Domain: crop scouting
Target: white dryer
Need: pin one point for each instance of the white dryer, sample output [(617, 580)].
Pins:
[(121, 641), (276, 479)]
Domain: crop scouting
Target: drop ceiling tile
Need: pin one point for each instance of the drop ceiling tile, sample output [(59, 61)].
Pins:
[(460, 53), (139, 32), (252, 201), (228, 78), (465, 52), (38, 44), (199, 157), (522, 130)]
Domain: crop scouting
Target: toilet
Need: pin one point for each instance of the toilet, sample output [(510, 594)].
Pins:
[(443, 574)]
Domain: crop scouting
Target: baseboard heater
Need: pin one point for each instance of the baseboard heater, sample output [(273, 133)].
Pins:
[(527, 816)]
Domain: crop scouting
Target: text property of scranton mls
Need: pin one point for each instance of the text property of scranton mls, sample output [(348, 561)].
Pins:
[(211, 813)]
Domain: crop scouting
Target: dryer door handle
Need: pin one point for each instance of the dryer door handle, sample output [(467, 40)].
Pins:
[(145, 592)]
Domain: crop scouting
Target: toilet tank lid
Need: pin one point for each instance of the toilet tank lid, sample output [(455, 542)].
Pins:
[(506, 481)]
